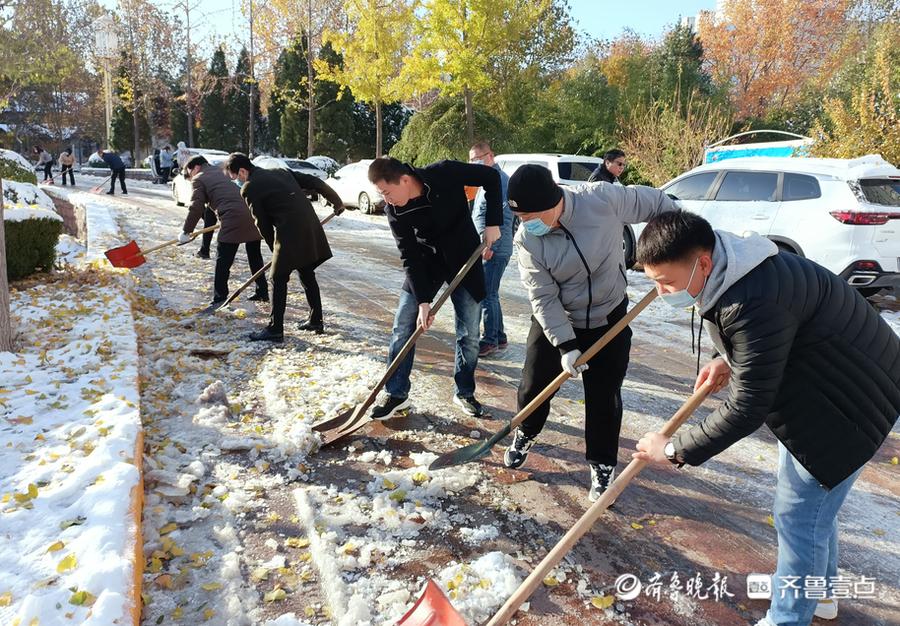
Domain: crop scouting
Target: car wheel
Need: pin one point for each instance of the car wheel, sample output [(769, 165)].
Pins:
[(365, 204), (628, 247)]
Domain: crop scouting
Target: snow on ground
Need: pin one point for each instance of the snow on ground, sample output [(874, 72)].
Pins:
[(11, 155), (893, 319), (70, 425), (23, 196)]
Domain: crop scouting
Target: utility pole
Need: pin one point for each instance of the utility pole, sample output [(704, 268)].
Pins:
[(310, 86), (251, 82), (190, 95)]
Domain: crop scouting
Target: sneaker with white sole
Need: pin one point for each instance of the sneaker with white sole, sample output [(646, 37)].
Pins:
[(469, 405), (827, 609), (601, 478), (518, 450), (390, 407)]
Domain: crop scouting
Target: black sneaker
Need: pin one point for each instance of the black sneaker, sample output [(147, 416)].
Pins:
[(110, 193), (267, 334), (312, 327), (470, 405), (259, 297), (517, 451), (389, 408), (601, 478), (124, 193), (203, 255), (503, 345)]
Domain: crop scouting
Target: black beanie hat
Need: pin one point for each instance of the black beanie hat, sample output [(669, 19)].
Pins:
[(532, 189)]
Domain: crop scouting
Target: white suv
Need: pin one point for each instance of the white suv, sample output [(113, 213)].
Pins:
[(567, 169), (844, 214)]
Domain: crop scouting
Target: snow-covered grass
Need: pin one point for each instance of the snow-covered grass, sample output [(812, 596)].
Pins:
[(19, 198), (69, 477), (17, 158)]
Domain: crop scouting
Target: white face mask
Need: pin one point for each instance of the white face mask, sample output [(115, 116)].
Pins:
[(683, 299)]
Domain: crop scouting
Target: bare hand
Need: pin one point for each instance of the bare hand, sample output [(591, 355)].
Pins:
[(426, 317), (490, 237), (651, 448), (716, 373)]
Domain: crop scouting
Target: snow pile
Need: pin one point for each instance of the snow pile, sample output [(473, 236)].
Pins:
[(893, 319), (288, 619), (479, 535), (18, 197), (70, 425), (17, 158), (479, 588), (102, 229), (68, 250)]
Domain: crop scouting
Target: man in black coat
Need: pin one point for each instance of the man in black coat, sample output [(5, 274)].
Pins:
[(611, 169), (286, 220), (429, 216), (803, 353), (117, 169)]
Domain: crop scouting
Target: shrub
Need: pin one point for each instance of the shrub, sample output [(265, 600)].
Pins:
[(12, 169), (30, 245)]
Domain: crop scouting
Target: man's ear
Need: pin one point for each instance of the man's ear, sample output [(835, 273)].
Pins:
[(706, 263)]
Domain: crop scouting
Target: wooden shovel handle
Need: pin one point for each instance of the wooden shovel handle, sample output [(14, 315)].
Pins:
[(584, 524), (601, 343), (460, 275), (173, 242)]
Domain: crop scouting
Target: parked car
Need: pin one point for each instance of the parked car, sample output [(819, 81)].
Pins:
[(298, 165), (181, 186), (567, 169), (844, 214), (324, 163), (351, 183)]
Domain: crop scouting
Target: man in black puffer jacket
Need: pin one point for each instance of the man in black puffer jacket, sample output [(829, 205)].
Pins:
[(805, 354)]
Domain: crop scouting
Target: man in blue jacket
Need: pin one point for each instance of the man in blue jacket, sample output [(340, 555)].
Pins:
[(494, 337), (117, 169), (428, 213)]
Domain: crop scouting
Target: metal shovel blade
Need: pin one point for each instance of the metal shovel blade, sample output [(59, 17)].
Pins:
[(335, 423), (470, 453), (431, 609), (128, 255)]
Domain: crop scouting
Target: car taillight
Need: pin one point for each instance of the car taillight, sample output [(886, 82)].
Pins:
[(858, 218), (867, 266)]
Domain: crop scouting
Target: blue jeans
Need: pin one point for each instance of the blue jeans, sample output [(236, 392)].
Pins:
[(805, 515), (493, 317), (468, 315)]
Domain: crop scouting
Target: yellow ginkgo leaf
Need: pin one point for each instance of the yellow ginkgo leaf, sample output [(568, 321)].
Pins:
[(636, 526), (551, 581), (6, 598), (68, 563), (894, 460), (389, 484), (276, 595), (208, 614), (82, 598), (56, 546), (211, 586), (165, 530), (602, 602), (177, 613), (259, 574), (296, 542), (771, 521)]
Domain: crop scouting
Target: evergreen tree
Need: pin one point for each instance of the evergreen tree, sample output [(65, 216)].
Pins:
[(239, 108), (288, 116), (335, 114), (215, 126)]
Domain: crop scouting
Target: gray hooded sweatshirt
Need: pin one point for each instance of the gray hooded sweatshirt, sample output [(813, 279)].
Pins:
[(575, 275), (733, 258)]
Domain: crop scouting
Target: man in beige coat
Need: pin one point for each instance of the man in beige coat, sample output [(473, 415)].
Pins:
[(213, 188)]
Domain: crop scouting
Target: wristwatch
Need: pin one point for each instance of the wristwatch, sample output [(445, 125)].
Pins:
[(669, 451)]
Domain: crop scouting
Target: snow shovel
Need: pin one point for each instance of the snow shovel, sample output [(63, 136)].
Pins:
[(259, 273), (130, 255), (100, 185), (431, 609), (584, 524), (355, 418), (478, 450)]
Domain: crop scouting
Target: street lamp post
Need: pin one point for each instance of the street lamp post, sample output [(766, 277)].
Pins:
[(106, 43)]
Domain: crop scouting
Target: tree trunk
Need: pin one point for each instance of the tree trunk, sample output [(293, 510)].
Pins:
[(311, 128), (470, 116), (5, 324), (378, 129)]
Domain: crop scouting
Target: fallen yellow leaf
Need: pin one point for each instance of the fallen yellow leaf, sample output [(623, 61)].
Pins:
[(68, 563), (211, 586), (636, 526), (276, 595), (551, 581), (165, 530), (56, 547), (602, 602), (6, 598)]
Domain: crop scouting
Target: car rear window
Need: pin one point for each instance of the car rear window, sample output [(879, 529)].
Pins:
[(883, 191), (576, 170), (693, 187), (800, 187), (748, 187)]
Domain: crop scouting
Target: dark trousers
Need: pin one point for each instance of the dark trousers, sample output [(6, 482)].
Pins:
[(165, 173), (48, 170), (225, 253), (209, 219), (67, 169), (602, 383), (120, 174), (279, 297)]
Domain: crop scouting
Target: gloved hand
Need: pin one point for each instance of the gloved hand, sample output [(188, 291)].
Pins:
[(568, 363), (184, 238), (339, 209)]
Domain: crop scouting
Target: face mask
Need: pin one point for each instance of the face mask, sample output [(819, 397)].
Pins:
[(238, 182), (477, 161), (683, 299), (536, 227)]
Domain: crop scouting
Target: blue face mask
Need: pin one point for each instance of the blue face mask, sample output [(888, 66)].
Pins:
[(536, 227), (683, 299), (238, 182)]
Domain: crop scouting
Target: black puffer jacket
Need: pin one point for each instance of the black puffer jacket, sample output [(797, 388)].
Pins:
[(810, 358)]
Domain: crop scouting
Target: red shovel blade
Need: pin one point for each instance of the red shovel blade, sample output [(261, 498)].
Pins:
[(128, 255), (432, 609)]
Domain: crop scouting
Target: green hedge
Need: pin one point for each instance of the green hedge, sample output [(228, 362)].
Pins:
[(30, 246), (10, 170)]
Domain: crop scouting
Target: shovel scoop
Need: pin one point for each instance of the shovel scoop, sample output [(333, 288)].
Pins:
[(128, 255), (431, 609)]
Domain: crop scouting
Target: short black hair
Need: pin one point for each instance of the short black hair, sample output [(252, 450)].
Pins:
[(194, 161), (236, 161), (388, 169), (673, 236), (612, 155)]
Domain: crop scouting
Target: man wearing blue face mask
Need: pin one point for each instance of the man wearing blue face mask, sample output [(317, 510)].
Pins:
[(801, 352), (572, 263)]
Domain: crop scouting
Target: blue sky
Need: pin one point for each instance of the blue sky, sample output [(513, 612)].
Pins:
[(605, 19)]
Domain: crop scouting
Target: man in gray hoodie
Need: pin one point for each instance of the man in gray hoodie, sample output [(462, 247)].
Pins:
[(572, 263), (802, 352)]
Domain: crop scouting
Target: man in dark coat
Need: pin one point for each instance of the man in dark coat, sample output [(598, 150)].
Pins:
[(212, 190), (285, 218), (428, 213), (117, 169), (802, 352), (611, 169)]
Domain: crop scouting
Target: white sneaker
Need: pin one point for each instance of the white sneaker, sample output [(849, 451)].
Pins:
[(764, 622), (827, 609)]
